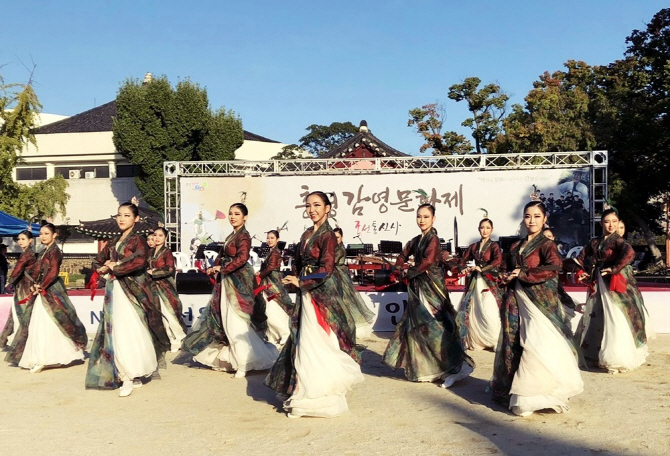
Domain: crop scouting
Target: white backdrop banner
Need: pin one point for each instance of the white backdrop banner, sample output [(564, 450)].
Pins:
[(382, 206)]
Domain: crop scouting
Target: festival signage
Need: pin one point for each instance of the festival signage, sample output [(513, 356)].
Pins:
[(375, 207)]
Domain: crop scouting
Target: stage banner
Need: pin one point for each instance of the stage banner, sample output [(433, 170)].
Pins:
[(375, 207)]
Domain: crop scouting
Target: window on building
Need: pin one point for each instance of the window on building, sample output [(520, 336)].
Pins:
[(37, 173), (127, 170), (83, 172)]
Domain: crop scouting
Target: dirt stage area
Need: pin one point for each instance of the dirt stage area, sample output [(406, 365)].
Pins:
[(202, 412)]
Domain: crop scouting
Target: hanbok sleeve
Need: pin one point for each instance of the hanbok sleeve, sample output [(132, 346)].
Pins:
[(327, 243), (243, 247), (469, 253), (496, 258), (430, 257), (403, 257), (167, 270), (550, 265), (25, 262), (138, 252), (626, 255), (272, 263), (102, 256), (50, 267)]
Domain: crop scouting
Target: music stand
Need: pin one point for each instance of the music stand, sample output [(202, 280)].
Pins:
[(446, 246), (390, 247), (368, 249), (353, 250)]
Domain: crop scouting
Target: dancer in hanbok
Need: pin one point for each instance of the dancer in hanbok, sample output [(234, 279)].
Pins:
[(20, 282), (278, 303), (479, 313), (614, 330), (535, 366), (229, 335), (49, 334), (426, 342), (351, 299), (318, 363), (162, 270), (131, 340)]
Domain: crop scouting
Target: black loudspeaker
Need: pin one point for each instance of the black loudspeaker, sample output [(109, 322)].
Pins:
[(193, 283)]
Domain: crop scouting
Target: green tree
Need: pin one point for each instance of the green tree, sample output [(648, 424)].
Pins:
[(427, 121), (557, 114), (157, 122), (321, 139), (19, 111), (487, 106), (290, 152)]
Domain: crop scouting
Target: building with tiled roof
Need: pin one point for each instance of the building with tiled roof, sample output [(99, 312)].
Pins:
[(364, 145)]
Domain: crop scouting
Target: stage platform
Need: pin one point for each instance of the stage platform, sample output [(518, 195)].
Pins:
[(388, 306)]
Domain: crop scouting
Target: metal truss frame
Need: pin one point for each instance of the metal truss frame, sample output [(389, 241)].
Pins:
[(596, 161)]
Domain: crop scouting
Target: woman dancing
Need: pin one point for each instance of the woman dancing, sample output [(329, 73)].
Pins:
[(20, 281), (279, 305), (49, 332), (536, 361), (426, 342), (612, 333), (479, 313), (131, 339), (229, 335), (161, 270), (351, 299), (316, 366)]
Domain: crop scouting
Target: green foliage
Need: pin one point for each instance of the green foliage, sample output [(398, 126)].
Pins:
[(290, 152), (487, 106), (19, 111), (427, 121), (157, 123), (557, 115), (321, 139)]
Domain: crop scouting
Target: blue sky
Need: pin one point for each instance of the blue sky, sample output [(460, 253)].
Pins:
[(285, 65)]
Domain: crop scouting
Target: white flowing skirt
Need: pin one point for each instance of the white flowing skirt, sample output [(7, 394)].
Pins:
[(278, 322), (174, 331), (617, 350), (548, 374), (46, 344), (134, 352), (15, 318), (484, 318), (324, 373), (246, 352)]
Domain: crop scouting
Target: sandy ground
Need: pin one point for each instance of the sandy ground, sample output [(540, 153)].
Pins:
[(202, 412)]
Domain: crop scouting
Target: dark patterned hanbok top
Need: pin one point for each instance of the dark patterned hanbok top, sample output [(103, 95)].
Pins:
[(238, 280), (426, 342), (131, 256), (315, 254), (54, 297), (489, 259), (21, 282), (539, 265), (614, 252), (161, 264), (271, 277)]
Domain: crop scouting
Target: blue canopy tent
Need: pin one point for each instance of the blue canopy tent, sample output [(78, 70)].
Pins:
[(12, 226)]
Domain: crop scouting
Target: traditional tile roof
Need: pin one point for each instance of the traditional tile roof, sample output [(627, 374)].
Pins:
[(108, 228), (366, 140), (101, 118)]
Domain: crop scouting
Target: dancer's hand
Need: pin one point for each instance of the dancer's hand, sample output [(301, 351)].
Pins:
[(605, 271), (583, 277), (477, 268), (292, 280), (102, 270), (580, 308)]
